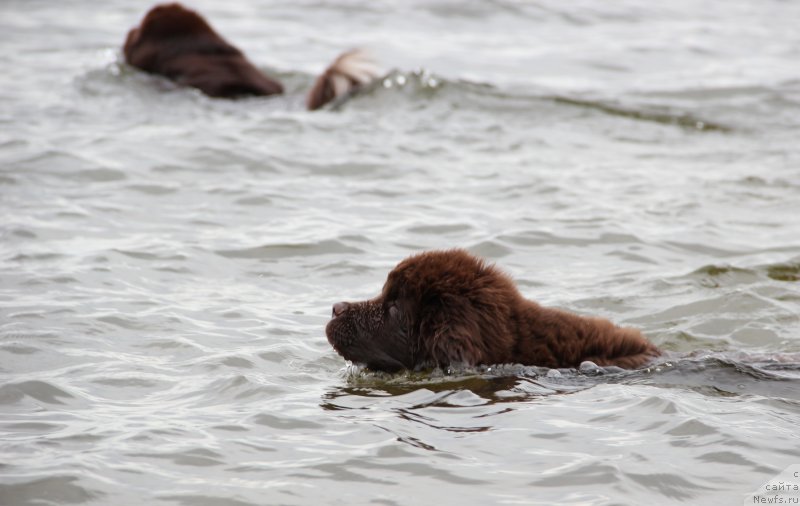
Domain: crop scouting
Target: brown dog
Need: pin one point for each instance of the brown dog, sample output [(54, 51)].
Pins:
[(178, 43), (449, 307)]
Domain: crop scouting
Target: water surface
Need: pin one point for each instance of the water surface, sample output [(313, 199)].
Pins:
[(168, 262)]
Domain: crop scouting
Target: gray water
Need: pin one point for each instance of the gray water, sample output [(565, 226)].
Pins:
[(168, 262)]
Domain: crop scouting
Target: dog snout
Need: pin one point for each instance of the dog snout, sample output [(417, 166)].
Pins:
[(339, 308)]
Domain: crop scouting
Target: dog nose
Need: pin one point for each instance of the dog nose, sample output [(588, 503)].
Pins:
[(339, 308)]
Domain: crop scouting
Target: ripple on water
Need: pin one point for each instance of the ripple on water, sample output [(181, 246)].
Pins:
[(276, 251), (153, 189), (237, 363), (715, 276), (690, 431), (731, 304), (99, 175), (725, 374), (284, 423), (788, 272), (257, 201), (193, 457), (149, 255), (442, 229), (585, 475), (118, 387), (674, 486), (41, 490), (24, 233), (36, 257), (537, 238), (490, 249), (650, 114), (238, 386), (380, 471), (204, 500), (718, 374), (42, 391)]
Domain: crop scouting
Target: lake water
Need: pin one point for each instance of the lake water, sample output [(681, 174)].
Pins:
[(168, 262)]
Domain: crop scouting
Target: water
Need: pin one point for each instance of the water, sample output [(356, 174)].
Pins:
[(168, 262)]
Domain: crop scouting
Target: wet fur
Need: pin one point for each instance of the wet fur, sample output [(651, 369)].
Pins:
[(348, 73), (450, 307), (178, 43)]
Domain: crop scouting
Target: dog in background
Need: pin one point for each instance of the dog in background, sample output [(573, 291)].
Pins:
[(179, 44)]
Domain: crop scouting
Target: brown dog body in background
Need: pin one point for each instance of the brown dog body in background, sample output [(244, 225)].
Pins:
[(449, 307), (179, 44)]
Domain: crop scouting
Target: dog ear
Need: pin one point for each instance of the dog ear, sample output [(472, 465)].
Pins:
[(450, 332)]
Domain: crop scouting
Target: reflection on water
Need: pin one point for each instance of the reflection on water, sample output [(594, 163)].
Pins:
[(710, 373), (681, 119)]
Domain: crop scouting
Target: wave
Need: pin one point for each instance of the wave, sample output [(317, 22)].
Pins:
[(276, 251), (717, 374), (413, 88)]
